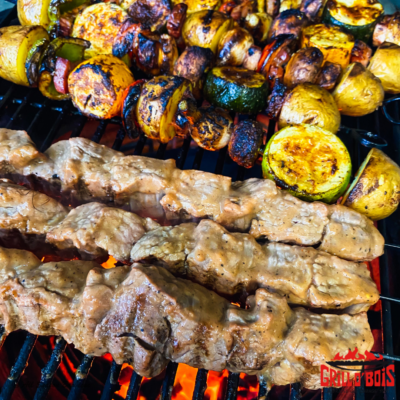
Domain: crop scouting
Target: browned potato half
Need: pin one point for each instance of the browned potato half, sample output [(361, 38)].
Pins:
[(15, 44), (199, 5), (375, 191), (303, 67), (213, 130), (385, 65), (33, 12), (310, 104), (205, 29), (99, 24), (193, 63), (359, 91), (153, 14), (157, 106), (289, 22), (335, 45), (97, 86), (233, 47)]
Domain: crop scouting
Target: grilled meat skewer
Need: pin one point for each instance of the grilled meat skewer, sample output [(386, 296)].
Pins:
[(232, 263), (93, 231), (82, 171), (206, 253), (144, 316)]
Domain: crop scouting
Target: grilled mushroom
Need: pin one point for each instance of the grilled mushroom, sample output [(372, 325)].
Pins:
[(258, 24), (252, 58), (152, 14), (303, 67), (289, 22), (245, 142), (176, 20), (328, 75), (233, 47), (213, 130)]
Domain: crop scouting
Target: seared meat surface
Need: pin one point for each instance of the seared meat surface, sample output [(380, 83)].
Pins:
[(35, 221), (234, 263), (88, 172), (144, 316), (96, 231)]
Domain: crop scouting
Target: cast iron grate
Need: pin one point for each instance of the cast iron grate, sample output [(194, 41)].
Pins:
[(45, 121)]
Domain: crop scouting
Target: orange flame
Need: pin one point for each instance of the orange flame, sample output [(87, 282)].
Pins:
[(355, 355), (110, 263)]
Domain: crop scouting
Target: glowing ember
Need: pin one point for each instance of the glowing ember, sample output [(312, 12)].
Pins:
[(110, 263), (184, 382)]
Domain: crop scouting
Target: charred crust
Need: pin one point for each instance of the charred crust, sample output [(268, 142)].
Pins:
[(245, 142), (357, 70)]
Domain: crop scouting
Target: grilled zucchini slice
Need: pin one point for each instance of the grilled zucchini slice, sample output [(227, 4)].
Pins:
[(358, 92), (385, 65), (17, 44), (97, 86), (310, 162), (99, 24), (236, 89), (157, 106), (205, 29), (310, 104), (375, 191), (334, 44), (357, 17)]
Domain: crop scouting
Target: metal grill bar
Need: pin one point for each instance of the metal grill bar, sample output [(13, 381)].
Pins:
[(19, 367), (118, 139), (263, 389), (101, 128), (79, 126), (168, 383), (19, 109), (232, 386), (327, 393), (80, 378), (200, 385), (134, 387), (112, 384), (50, 369), (8, 94), (37, 116), (295, 391)]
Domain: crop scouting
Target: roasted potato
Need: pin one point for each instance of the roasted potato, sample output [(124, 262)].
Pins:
[(153, 14), (193, 63), (336, 46), (99, 24), (303, 67), (375, 191), (358, 92), (385, 65), (157, 105), (213, 130), (233, 47), (310, 104), (33, 12), (245, 142), (205, 29), (258, 24), (97, 86), (16, 43), (198, 5)]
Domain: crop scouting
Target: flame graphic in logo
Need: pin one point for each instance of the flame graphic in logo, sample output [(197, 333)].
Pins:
[(355, 355)]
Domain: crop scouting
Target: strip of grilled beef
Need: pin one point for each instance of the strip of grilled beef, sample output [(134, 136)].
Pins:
[(144, 316), (234, 263), (81, 171), (34, 221), (231, 264)]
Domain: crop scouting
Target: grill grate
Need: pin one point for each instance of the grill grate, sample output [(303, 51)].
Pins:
[(45, 121)]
